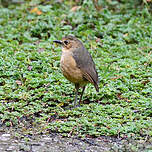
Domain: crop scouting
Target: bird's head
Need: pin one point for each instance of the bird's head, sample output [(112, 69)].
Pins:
[(69, 42)]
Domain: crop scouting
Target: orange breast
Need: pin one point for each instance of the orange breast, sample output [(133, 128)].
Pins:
[(70, 70)]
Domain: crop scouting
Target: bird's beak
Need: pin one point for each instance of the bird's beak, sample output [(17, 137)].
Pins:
[(58, 41)]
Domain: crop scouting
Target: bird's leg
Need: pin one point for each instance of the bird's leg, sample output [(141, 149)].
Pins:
[(81, 94), (76, 94)]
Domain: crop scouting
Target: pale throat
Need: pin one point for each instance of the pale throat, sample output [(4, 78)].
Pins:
[(65, 50)]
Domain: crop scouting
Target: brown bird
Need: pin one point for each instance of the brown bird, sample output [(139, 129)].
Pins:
[(77, 64)]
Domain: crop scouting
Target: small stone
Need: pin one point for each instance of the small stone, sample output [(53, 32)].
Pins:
[(11, 148), (5, 137)]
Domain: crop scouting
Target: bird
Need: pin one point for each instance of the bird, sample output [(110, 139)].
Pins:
[(77, 65)]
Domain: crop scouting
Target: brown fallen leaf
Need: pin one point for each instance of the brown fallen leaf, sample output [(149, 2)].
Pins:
[(118, 77), (120, 97), (40, 50), (125, 35), (36, 11), (75, 8), (96, 4), (18, 82), (145, 82)]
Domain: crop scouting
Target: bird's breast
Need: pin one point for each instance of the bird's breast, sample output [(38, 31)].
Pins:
[(69, 68)]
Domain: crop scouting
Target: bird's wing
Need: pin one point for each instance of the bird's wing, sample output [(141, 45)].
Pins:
[(85, 62)]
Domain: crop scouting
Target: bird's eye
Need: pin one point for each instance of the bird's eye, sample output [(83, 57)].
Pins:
[(66, 42)]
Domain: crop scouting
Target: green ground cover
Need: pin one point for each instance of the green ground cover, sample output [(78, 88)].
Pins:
[(33, 89)]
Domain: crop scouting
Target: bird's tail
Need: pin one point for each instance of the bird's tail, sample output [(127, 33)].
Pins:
[(96, 87)]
